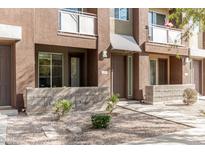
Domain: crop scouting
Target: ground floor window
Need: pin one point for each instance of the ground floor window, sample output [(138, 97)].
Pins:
[(50, 66)]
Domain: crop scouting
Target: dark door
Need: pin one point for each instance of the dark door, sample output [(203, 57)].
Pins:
[(162, 65), (5, 75), (119, 75), (197, 74)]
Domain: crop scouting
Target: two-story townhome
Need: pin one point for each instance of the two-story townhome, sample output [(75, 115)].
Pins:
[(49, 48), (79, 53)]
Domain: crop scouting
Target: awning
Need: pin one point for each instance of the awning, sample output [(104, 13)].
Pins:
[(197, 53), (124, 42), (10, 32)]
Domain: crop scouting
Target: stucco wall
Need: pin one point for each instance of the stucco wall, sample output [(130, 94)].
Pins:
[(165, 93), (46, 31), (24, 49), (41, 100), (104, 65)]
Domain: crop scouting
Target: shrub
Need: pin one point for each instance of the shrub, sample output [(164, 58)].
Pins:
[(101, 120), (62, 106), (112, 102), (190, 96)]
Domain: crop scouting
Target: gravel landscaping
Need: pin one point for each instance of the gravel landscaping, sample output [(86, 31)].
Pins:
[(126, 126)]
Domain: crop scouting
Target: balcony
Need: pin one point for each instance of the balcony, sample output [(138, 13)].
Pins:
[(79, 23), (165, 35)]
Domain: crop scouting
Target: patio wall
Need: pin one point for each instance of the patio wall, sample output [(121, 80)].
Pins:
[(165, 93), (40, 100)]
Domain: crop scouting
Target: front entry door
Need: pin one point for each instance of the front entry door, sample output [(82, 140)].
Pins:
[(5, 75), (119, 75), (162, 72), (197, 74)]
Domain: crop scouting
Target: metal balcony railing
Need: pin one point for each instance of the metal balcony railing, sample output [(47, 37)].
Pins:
[(166, 35), (77, 22)]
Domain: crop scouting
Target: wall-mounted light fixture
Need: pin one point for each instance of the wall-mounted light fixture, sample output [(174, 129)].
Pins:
[(104, 54)]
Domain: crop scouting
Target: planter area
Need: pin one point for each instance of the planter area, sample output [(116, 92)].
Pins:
[(76, 128)]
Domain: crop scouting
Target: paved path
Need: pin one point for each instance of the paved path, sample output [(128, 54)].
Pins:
[(176, 112), (3, 125)]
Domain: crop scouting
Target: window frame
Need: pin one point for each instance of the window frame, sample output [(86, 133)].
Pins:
[(51, 81), (120, 19), (156, 16)]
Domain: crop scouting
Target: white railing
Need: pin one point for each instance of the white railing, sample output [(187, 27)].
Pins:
[(163, 34), (77, 22)]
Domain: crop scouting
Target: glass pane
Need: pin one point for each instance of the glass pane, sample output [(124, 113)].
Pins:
[(57, 59), (75, 72), (44, 59), (74, 9), (152, 72), (44, 71), (44, 82), (57, 72), (116, 13), (124, 13), (160, 19)]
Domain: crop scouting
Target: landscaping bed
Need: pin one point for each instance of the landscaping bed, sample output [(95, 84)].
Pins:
[(126, 126)]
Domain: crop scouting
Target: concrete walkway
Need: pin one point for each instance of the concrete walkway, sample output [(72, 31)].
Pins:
[(3, 125), (177, 112)]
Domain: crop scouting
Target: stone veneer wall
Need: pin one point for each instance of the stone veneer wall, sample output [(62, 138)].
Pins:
[(40, 100), (165, 93)]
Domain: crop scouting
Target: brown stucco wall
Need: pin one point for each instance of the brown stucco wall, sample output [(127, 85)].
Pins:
[(140, 21), (104, 65), (140, 75), (46, 31), (165, 49), (24, 49)]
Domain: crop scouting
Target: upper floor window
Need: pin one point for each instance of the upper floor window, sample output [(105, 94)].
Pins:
[(74, 9), (122, 13), (156, 18)]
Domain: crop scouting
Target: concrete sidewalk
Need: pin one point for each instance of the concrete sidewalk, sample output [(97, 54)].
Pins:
[(186, 115), (3, 126)]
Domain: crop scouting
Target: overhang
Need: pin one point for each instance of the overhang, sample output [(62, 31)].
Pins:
[(196, 53), (124, 43), (10, 32)]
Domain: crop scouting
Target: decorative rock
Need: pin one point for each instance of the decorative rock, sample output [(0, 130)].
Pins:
[(74, 129), (50, 132)]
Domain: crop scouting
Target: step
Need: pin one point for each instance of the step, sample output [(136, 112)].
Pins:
[(8, 110)]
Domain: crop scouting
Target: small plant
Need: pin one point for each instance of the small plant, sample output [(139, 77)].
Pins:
[(101, 120), (112, 102), (61, 107), (190, 96)]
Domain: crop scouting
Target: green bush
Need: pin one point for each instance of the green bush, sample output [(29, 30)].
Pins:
[(190, 96), (62, 106), (112, 102), (100, 120)]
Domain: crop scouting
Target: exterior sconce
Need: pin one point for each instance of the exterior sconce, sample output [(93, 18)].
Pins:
[(104, 54), (187, 60)]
